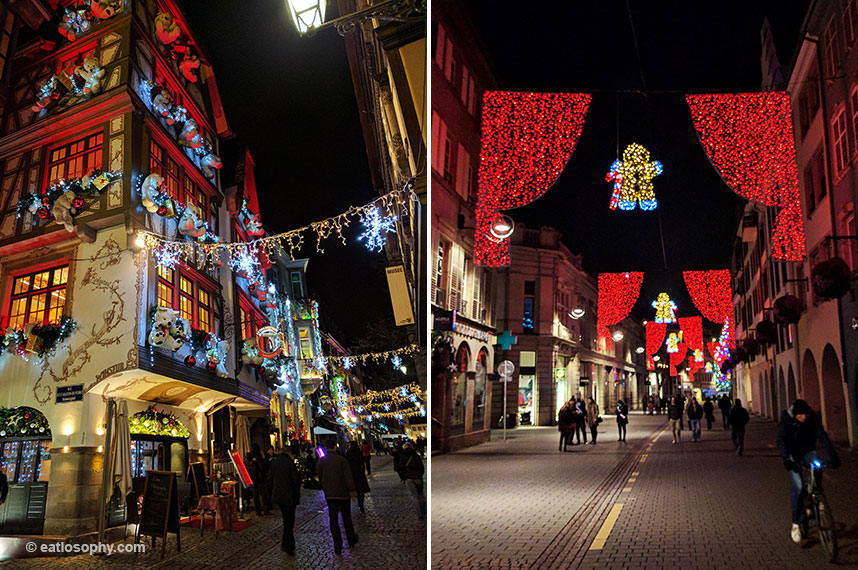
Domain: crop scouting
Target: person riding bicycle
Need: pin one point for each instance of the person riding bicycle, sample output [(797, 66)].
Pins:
[(799, 431)]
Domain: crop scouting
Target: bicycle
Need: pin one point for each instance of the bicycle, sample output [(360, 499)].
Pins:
[(819, 508)]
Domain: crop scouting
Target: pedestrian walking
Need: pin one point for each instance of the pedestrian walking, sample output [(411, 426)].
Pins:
[(285, 485), (656, 403), (709, 412), (566, 423), (420, 445), (724, 406), (739, 418), (646, 402), (256, 468), (674, 414), (367, 455), (356, 462), (414, 476), (580, 420), (622, 419), (593, 418), (338, 484), (695, 414), (397, 460)]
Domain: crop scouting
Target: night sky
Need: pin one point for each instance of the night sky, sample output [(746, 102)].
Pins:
[(685, 47), (291, 101)]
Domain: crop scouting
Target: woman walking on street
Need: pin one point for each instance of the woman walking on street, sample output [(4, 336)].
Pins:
[(593, 417), (695, 414), (356, 463), (566, 423), (674, 414), (622, 419), (709, 412)]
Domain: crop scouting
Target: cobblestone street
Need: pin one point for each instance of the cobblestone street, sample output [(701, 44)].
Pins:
[(522, 504), (391, 535)]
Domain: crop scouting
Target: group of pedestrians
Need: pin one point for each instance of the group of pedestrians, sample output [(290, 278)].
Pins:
[(573, 419)]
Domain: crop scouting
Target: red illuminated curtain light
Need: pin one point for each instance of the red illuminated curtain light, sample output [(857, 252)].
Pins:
[(676, 358), (692, 332), (618, 293), (712, 294), (527, 139), (654, 337), (749, 139)]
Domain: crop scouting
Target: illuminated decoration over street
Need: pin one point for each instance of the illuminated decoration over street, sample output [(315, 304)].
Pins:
[(665, 309), (527, 140), (347, 362), (749, 139), (672, 343), (618, 293), (376, 228), (712, 294), (654, 336), (692, 332), (396, 361), (632, 177)]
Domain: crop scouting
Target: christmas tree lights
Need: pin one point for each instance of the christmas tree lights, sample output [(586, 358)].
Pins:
[(712, 294), (632, 177), (665, 309), (617, 295), (527, 139), (749, 139)]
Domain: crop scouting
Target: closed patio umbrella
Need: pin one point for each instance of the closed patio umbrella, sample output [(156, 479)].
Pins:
[(121, 451), (242, 435)]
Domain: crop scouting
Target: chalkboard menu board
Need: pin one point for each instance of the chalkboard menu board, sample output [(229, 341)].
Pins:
[(197, 477), (160, 508)]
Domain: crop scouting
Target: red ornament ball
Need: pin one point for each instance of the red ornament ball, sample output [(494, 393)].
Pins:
[(26, 416), (190, 361), (55, 94), (251, 287), (161, 211), (46, 201), (43, 213), (78, 201), (211, 366)]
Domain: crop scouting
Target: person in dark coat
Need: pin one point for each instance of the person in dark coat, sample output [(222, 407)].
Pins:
[(695, 414), (256, 468), (709, 412), (566, 423), (356, 462), (799, 432), (286, 494), (413, 466), (674, 414), (724, 406), (338, 484), (580, 421), (397, 460), (622, 419), (739, 418)]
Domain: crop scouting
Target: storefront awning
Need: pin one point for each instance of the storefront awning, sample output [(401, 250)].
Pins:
[(322, 431)]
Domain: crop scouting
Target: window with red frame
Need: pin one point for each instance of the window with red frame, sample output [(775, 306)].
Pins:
[(251, 319), (181, 290), (38, 297), (75, 159)]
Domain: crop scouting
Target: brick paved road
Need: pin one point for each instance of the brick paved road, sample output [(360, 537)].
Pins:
[(685, 506), (391, 534)]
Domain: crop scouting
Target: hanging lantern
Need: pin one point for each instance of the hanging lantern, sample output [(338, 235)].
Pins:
[(787, 310), (767, 332), (190, 361), (830, 279), (751, 347)]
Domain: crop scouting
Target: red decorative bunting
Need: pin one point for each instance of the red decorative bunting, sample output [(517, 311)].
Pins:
[(618, 293), (527, 141), (712, 294), (654, 337), (749, 139)]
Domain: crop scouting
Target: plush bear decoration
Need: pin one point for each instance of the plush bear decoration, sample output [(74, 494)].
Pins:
[(209, 164), (191, 225), (73, 22), (166, 29), (63, 210), (254, 225), (179, 332), (105, 9), (91, 74), (216, 354), (162, 102), (150, 188), (250, 352), (169, 330), (189, 65), (44, 95), (190, 135)]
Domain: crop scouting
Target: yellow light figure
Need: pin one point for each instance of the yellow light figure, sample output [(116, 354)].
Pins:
[(698, 355), (672, 342), (632, 177), (665, 309)]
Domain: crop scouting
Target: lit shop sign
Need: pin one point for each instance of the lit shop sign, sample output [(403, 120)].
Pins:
[(466, 330), (271, 342), (560, 373)]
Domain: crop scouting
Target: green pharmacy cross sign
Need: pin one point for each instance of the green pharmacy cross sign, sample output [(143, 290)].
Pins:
[(506, 339)]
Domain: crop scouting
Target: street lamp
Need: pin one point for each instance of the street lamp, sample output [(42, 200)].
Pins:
[(616, 333), (577, 313), (640, 350), (309, 15), (502, 227)]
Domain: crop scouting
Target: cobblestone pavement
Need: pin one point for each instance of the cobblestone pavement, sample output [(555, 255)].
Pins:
[(523, 504), (391, 535)]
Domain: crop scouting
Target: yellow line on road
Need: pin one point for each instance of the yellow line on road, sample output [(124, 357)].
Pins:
[(632, 479), (627, 489), (636, 473), (607, 527)]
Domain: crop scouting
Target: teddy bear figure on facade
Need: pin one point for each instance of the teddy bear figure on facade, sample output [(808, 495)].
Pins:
[(166, 28), (105, 9), (250, 352), (65, 208), (190, 224), (73, 22), (209, 164), (151, 188), (90, 75), (190, 135), (168, 329), (216, 355)]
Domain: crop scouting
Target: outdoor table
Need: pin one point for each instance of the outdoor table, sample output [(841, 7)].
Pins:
[(222, 507), (230, 488)]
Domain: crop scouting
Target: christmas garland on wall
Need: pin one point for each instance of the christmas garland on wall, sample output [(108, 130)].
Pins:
[(155, 422), (23, 421), (40, 340), (65, 199)]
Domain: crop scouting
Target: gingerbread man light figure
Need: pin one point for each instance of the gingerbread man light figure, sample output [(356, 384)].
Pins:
[(665, 309), (672, 343), (632, 177)]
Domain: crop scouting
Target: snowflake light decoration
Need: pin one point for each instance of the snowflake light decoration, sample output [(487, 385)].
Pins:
[(665, 309), (166, 256), (396, 361), (244, 261), (632, 177), (376, 228), (321, 364), (347, 363)]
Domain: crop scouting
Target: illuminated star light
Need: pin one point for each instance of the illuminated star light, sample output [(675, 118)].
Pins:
[(347, 363), (376, 229), (166, 257)]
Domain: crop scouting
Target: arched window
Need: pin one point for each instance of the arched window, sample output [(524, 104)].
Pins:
[(25, 437)]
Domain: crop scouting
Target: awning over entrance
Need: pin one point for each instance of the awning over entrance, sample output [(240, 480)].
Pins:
[(150, 387)]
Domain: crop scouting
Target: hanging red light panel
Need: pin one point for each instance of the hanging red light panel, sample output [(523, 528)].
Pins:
[(618, 293), (654, 336), (527, 139), (692, 332), (749, 139), (712, 294)]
